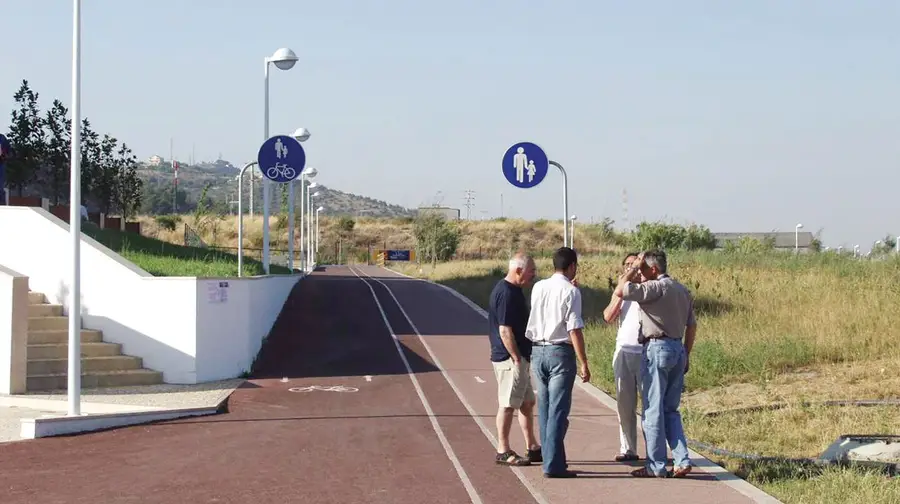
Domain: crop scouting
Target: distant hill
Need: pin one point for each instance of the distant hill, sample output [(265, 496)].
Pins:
[(221, 176)]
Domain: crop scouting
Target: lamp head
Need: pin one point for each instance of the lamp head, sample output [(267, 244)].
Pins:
[(315, 193), (301, 134), (320, 209), (284, 58), (310, 172), (313, 185)]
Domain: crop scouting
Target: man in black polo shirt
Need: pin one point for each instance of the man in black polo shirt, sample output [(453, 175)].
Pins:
[(511, 357)]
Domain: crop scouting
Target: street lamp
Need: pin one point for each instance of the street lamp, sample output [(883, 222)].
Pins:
[(797, 237), (572, 234), (301, 134), (317, 228), (307, 174), (74, 368), (284, 59), (309, 219)]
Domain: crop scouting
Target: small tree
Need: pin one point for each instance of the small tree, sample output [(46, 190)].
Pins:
[(436, 238)]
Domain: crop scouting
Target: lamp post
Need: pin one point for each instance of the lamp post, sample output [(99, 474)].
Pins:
[(572, 234), (308, 174), (317, 228), (302, 135), (309, 219), (284, 59), (797, 237), (74, 370)]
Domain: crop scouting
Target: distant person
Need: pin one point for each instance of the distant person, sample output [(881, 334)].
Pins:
[(626, 361), (668, 329), (511, 358), (555, 327)]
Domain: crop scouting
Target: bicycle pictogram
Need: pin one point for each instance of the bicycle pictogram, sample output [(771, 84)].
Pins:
[(281, 170), (324, 388)]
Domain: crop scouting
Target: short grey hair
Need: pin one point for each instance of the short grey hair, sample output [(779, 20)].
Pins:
[(656, 258), (519, 260)]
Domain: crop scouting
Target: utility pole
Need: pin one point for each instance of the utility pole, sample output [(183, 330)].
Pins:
[(470, 198), (625, 209)]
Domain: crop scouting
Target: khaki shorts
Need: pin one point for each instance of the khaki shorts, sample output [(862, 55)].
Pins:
[(513, 383)]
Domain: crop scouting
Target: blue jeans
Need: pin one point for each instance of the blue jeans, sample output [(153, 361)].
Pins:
[(662, 381), (554, 369)]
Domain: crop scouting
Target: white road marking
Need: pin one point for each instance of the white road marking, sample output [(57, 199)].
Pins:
[(368, 378), (463, 477), (487, 433), (284, 380), (479, 380)]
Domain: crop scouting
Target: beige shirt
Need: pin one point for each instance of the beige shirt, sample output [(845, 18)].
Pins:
[(667, 306), (555, 310)]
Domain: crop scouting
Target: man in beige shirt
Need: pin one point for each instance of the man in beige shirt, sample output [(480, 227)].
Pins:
[(667, 331)]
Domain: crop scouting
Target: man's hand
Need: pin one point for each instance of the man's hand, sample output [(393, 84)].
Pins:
[(687, 363), (584, 373), (575, 282)]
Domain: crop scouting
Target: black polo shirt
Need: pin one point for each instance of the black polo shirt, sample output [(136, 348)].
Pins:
[(508, 307)]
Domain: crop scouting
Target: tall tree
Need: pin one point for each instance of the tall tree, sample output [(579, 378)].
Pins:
[(129, 187), (105, 177), (90, 160), (54, 175), (26, 135)]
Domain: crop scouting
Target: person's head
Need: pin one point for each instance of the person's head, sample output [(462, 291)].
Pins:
[(628, 260), (521, 269), (654, 264), (565, 261)]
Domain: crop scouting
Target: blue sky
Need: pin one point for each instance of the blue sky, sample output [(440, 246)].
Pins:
[(740, 115)]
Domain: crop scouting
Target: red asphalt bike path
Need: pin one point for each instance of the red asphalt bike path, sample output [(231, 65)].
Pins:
[(380, 443)]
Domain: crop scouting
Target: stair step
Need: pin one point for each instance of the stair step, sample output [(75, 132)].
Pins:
[(61, 350), (37, 367), (45, 310), (47, 323), (36, 298), (59, 381), (61, 336)]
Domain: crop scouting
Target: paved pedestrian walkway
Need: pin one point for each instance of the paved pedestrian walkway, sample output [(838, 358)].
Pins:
[(371, 388)]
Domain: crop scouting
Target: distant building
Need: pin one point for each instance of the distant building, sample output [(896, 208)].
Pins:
[(446, 212), (782, 240), (155, 161)]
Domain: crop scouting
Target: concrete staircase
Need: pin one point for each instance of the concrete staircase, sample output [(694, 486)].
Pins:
[(102, 364)]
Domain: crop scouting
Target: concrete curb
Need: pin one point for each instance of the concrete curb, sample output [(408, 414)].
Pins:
[(698, 460), (104, 416)]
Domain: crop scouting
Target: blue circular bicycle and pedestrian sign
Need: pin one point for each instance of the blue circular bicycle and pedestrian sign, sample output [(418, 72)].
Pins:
[(281, 159), (525, 165)]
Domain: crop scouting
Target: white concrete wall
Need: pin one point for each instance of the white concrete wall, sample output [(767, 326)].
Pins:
[(167, 321), (13, 331), (230, 332)]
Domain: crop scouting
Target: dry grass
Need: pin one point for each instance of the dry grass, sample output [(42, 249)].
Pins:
[(772, 329), (480, 239)]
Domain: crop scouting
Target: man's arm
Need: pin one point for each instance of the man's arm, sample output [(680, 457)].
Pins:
[(612, 309), (640, 292), (505, 314), (575, 326)]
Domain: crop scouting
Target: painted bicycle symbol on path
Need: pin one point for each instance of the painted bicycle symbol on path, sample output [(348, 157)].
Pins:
[(324, 388)]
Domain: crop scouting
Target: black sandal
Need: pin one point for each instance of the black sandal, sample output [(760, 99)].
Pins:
[(511, 458), (534, 456)]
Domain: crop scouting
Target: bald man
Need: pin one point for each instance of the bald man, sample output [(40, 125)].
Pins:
[(511, 358)]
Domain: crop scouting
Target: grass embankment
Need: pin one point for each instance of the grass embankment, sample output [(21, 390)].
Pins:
[(160, 258), (772, 329), (479, 239)]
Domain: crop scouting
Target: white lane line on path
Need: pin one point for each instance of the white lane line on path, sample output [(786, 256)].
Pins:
[(479, 379), (487, 433), (463, 477), (368, 378)]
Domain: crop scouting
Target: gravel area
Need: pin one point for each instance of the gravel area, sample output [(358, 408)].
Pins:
[(10, 421)]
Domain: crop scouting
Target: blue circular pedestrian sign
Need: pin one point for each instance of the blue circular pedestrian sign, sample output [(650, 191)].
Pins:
[(525, 165), (281, 159)]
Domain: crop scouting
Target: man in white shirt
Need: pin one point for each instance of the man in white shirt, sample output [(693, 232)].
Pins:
[(626, 366), (555, 328)]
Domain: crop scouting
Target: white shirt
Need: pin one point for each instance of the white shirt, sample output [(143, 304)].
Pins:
[(555, 310), (629, 328)]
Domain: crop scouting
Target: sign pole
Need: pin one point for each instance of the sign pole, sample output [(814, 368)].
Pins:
[(281, 160), (566, 241)]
